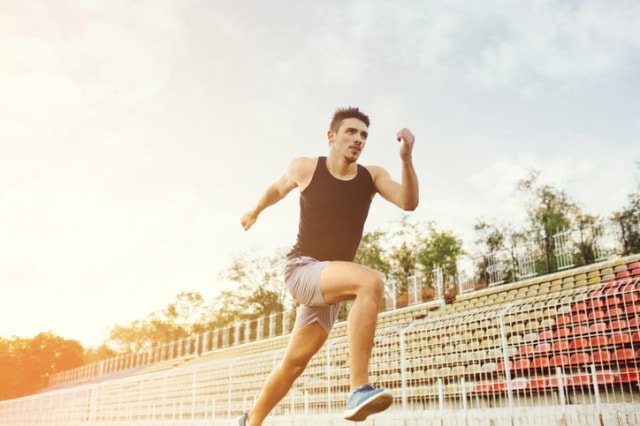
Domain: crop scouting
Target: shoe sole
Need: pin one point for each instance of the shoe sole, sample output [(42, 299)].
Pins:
[(375, 404)]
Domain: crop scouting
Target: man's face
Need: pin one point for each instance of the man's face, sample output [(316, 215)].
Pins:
[(350, 139)]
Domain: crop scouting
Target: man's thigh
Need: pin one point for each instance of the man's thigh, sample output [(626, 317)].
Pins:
[(342, 281)]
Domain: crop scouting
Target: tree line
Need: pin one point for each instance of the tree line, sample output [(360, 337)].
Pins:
[(403, 249)]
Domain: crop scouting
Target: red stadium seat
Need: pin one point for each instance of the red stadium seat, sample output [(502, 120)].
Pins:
[(522, 364), (618, 325), (635, 272), (501, 366), (538, 382), (595, 304), (595, 315), (525, 350), (601, 357), (628, 375), (579, 318), (623, 274), (597, 341), (561, 346), (520, 383), (625, 354), (579, 307), (561, 333), (563, 320), (555, 381), (606, 377), (619, 339), (633, 265), (612, 301), (580, 379), (579, 343), (558, 361), (542, 348), (632, 309), (634, 323), (580, 359), (630, 298), (540, 362), (596, 293), (615, 312), (545, 335), (580, 330), (598, 327), (490, 387), (635, 337)]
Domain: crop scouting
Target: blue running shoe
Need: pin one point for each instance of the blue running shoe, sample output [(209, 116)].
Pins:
[(367, 400), (242, 420)]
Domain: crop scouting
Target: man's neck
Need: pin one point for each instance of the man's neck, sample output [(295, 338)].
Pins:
[(341, 168)]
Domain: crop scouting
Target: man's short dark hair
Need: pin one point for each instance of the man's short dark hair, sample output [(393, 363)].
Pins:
[(343, 113)]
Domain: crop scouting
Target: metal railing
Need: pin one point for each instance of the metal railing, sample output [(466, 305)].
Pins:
[(473, 272), (559, 357)]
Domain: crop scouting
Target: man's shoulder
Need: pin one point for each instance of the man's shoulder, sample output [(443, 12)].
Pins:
[(303, 164)]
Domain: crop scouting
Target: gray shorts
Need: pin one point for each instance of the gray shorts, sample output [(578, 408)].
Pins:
[(302, 280)]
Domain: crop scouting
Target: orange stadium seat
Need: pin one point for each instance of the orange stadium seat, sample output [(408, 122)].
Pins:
[(598, 327), (522, 364), (623, 274), (561, 346), (628, 375), (563, 320), (606, 377), (525, 350), (538, 382), (620, 339), (618, 324), (580, 359), (635, 338), (579, 343), (561, 333), (542, 348), (545, 335), (601, 357), (580, 330), (630, 298), (580, 379), (625, 354), (615, 312), (555, 381), (558, 361), (595, 304), (595, 315), (540, 362), (579, 318), (598, 341)]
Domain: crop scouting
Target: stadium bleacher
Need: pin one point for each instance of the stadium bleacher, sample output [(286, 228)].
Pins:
[(563, 348)]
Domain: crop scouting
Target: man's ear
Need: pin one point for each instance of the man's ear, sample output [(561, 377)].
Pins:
[(331, 136)]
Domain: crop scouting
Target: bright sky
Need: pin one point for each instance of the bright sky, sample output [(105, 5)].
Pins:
[(134, 134)]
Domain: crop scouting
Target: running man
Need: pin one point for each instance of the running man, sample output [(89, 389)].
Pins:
[(335, 195)]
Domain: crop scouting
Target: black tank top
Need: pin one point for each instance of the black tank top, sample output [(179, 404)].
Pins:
[(332, 214)]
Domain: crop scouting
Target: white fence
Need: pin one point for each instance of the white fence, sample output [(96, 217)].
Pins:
[(530, 356)]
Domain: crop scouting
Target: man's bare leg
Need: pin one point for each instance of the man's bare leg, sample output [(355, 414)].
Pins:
[(303, 344), (349, 281)]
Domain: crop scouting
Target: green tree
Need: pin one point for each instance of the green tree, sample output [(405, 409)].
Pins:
[(628, 219), (259, 292), (550, 210), (371, 252), (27, 364)]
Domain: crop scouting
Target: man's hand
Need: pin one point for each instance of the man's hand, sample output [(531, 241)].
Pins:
[(248, 219), (407, 138)]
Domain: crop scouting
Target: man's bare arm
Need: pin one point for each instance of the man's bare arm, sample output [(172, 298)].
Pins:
[(295, 176), (405, 194)]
